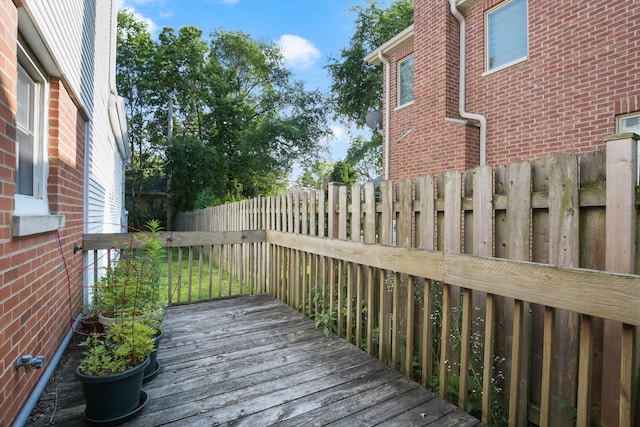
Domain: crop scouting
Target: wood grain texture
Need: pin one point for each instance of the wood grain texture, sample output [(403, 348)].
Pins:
[(253, 361)]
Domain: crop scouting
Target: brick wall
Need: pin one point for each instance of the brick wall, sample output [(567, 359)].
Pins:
[(582, 71), (38, 293)]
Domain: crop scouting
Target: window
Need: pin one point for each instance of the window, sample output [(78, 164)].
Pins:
[(506, 35), (31, 165), (627, 124), (405, 81)]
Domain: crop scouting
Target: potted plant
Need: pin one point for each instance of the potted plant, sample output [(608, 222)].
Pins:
[(115, 363), (131, 285), (111, 371), (153, 309), (153, 316)]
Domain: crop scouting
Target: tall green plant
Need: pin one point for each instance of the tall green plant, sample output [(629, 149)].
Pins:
[(131, 285)]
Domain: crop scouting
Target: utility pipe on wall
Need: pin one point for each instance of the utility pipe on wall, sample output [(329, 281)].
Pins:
[(23, 416), (387, 105), (463, 81)]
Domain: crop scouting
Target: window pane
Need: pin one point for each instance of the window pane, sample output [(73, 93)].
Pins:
[(507, 34), (406, 81), (24, 173), (631, 124), (26, 134)]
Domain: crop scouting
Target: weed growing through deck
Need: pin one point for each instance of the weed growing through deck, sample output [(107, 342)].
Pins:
[(498, 415), (324, 316)]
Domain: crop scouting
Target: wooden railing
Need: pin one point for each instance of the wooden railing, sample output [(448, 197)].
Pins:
[(200, 266), (455, 279), (354, 289)]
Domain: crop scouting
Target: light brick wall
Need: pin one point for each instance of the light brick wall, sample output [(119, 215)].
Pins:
[(39, 291), (583, 70)]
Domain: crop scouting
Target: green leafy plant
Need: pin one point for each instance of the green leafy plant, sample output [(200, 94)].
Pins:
[(323, 316), (131, 286), (475, 386), (125, 345)]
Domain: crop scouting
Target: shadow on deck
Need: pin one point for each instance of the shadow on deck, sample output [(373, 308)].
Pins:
[(255, 361)]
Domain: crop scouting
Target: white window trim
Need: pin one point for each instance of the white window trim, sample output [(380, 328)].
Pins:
[(622, 118), (619, 130), (31, 214), (486, 41), (406, 104)]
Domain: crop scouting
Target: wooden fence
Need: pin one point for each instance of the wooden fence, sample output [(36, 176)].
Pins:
[(511, 290)]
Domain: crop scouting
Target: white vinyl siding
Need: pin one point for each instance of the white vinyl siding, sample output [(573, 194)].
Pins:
[(81, 36), (69, 27)]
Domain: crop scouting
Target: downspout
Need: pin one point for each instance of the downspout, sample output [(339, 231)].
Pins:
[(387, 114), (462, 84), (26, 410)]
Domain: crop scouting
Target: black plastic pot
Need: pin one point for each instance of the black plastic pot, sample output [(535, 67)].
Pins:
[(154, 366), (116, 398)]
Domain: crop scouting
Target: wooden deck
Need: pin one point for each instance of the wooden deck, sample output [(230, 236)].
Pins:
[(254, 361)]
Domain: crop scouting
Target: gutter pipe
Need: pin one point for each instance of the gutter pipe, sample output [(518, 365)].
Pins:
[(462, 84), (26, 410), (387, 114)]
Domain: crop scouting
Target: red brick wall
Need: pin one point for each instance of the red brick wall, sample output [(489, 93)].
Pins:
[(435, 144), (583, 70), (38, 294)]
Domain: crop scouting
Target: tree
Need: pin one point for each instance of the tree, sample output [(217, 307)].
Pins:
[(343, 174), (312, 176), (237, 110), (193, 165), (365, 156), (135, 79), (356, 86)]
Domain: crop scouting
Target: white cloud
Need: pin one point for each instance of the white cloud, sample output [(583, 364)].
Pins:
[(130, 6), (340, 134), (297, 51), (230, 2)]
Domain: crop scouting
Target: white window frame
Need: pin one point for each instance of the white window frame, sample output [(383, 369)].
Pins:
[(487, 61), (37, 203), (400, 104), (31, 212), (622, 128)]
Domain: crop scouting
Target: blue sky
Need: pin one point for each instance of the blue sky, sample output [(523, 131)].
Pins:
[(308, 31)]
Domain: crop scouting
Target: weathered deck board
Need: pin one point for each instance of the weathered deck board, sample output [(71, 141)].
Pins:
[(254, 361)]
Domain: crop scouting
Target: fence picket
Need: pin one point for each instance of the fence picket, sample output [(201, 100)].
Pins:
[(548, 211)]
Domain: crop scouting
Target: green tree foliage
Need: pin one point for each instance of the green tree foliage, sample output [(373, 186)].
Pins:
[(364, 155), (135, 82), (193, 164), (313, 175), (344, 174), (356, 86), (238, 113)]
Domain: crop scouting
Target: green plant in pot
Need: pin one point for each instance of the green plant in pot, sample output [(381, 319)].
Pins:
[(154, 309), (112, 368), (131, 286), (153, 316)]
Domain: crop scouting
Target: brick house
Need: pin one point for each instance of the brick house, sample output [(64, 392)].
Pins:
[(538, 78), (62, 150)]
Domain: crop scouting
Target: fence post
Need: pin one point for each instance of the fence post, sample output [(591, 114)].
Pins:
[(621, 181)]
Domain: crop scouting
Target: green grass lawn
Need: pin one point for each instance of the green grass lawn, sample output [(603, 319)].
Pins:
[(200, 282)]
